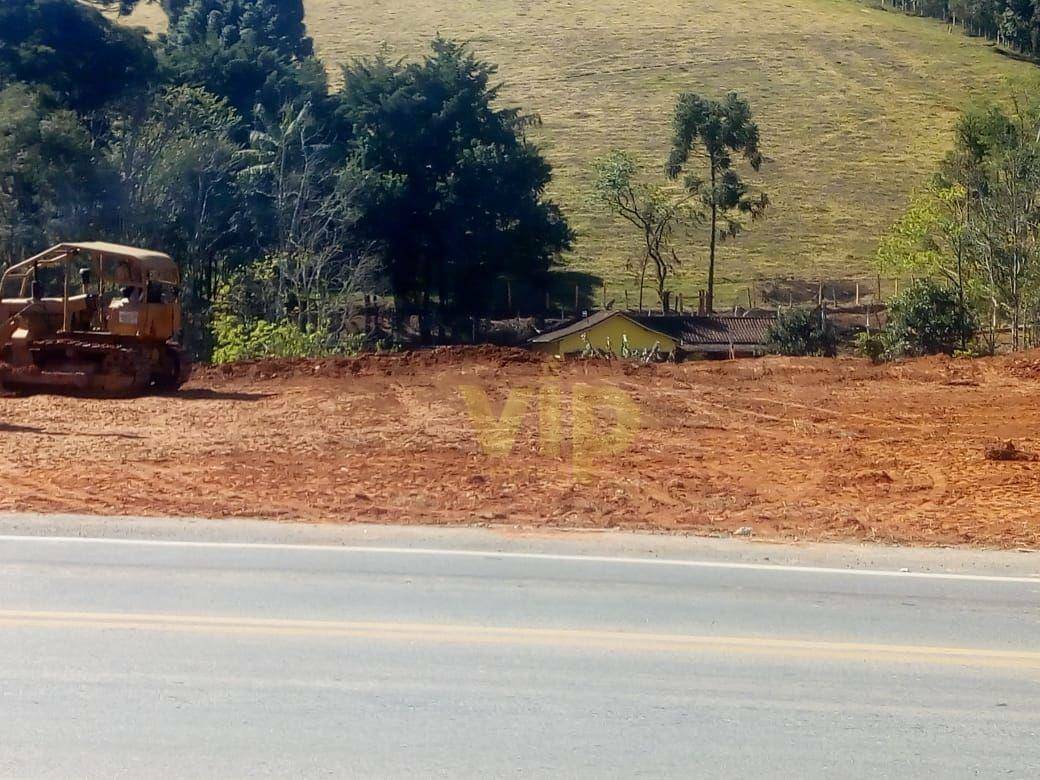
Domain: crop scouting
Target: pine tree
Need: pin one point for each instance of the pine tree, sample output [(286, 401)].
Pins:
[(716, 130)]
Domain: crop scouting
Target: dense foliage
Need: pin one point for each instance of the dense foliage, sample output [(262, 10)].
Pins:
[(1011, 23), (459, 200), (979, 225), (71, 54), (927, 319), (284, 201), (803, 332)]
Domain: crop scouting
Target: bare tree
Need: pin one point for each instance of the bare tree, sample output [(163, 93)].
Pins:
[(176, 164), (658, 215), (317, 267)]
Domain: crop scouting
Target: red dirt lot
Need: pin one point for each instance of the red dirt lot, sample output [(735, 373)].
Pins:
[(807, 449)]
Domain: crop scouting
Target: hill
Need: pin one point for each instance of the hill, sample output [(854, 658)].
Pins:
[(855, 104)]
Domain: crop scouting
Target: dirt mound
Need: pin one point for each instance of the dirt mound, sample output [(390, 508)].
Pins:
[(383, 364), (1025, 365)]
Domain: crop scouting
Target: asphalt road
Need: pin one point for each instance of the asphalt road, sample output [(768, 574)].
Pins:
[(247, 649)]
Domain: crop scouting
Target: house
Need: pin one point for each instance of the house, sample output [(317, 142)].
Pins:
[(684, 335)]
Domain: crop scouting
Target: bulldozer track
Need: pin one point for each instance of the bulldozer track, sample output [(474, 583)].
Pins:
[(123, 370)]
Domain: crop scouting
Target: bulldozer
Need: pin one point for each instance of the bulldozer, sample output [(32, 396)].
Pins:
[(92, 318)]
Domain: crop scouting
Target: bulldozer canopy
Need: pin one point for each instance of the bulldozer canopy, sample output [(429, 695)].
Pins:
[(151, 264)]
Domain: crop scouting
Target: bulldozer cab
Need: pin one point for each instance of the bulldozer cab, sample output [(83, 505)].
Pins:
[(95, 288)]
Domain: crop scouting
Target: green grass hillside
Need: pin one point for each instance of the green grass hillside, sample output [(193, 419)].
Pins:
[(855, 104)]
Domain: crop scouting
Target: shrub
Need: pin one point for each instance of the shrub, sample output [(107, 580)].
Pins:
[(927, 319), (871, 345), (802, 332), (237, 340)]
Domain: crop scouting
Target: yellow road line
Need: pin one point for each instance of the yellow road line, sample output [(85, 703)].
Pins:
[(518, 635)]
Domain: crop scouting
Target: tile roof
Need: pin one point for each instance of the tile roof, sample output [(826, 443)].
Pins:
[(695, 330)]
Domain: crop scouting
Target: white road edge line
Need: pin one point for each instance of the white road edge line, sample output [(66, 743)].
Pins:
[(435, 551)]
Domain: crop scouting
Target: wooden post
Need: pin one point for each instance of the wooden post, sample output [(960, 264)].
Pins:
[(879, 298), (857, 293), (65, 296), (604, 295), (576, 300), (819, 295), (626, 299), (750, 303), (896, 286)]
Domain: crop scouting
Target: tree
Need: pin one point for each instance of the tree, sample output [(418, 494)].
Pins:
[(53, 184), (247, 51), (177, 190), (931, 240), (715, 131), (927, 319), (802, 333), (978, 226), (997, 160), (266, 24), (72, 53), (309, 203), (657, 215), (458, 198)]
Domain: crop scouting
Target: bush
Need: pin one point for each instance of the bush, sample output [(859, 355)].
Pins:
[(237, 340), (927, 319), (802, 332), (871, 345)]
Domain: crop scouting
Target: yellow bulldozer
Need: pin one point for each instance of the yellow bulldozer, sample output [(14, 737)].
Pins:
[(92, 318)]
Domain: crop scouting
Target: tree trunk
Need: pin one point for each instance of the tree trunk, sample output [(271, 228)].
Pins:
[(960, 280), (662, 292), (710, 302), (642, 283)]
